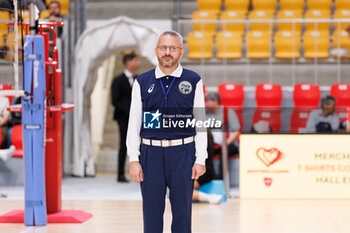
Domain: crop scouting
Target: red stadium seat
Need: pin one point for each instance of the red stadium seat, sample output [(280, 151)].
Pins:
[(341, 91), (299, 119), (17, 140), (7, 87), (232, 95), (268, 98), (268, 95), (306, 95)]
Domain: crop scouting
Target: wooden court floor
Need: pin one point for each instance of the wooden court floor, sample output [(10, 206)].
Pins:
[(235, 216)]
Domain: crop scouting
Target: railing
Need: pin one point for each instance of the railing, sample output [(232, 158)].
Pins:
[(184, 26)]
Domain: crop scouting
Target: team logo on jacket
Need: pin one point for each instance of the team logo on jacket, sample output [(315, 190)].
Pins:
[(185, 87), (150, 89)]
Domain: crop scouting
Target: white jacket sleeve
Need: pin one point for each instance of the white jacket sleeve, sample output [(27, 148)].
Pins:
[(133, 138), (199, 114)]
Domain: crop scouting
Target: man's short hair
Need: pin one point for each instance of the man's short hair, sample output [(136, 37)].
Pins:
[(54, 2), (171, 33), (214, 96), (128, 56), (327, 100)]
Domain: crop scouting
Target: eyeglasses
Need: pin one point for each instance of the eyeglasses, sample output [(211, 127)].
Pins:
[(164, 48)]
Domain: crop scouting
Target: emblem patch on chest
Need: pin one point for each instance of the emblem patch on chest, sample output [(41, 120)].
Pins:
[(185, 87), (150, 89)]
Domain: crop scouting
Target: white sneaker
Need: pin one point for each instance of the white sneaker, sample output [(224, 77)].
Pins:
[(5, 154), (215, 198)]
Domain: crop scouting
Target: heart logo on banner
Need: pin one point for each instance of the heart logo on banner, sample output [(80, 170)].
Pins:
[(269, 156), (268, 181)]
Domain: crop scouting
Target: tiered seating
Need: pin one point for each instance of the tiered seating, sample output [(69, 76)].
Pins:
[(316, 44), (229, 45), (306, 98), (200, 45)]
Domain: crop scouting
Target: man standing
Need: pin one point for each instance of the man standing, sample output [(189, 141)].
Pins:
[(169, 157), (121, 98)]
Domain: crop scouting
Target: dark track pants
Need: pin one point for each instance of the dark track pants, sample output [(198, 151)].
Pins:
[(167, 167)]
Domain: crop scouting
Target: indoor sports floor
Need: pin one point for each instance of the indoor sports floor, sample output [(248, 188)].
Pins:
[(116, 208)]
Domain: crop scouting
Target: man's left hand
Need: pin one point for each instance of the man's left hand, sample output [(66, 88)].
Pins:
[(198, 170)]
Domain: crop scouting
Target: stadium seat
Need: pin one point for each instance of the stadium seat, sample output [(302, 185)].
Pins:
[(237, 5), (268, 98), (200, 45), (17, 140), (229, 45), (204, 27), (341, 91), (341, 14), (265, 5), (4, 18), (258, 44), (261, 15), (289, 15), (287, 44), (306, 98), (233, 15), (342, 4), (319, 4), (316, 44), (292, 5), (7, 87), (232, 95), (64, 5), (209, 5), (306, 95), (318, 14), (341, 41), (44, 14), (10, 43), (268, 95)]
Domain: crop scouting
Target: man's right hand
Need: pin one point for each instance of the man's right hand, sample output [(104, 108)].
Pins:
[(136, 171)]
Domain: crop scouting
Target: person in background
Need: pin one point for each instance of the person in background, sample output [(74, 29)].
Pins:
[(215, 110), (54, 8), (323, 120), (121, 99), (208, 176), (6, 151)]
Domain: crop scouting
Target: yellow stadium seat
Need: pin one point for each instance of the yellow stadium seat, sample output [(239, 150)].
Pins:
[(234, 27), (341, 41), (316, 44), (318, 14), (264, 5), (237, 5), (319, 4), (209, 5), (64, 6), (342, 14), (200, 45), (25, 14), (258, 44), (10, 43), (229, 45), (292, 5), (287, 14), (261, 15), (44, 14), (342, 4), (4, 19), (287, 44), (204, 27)]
